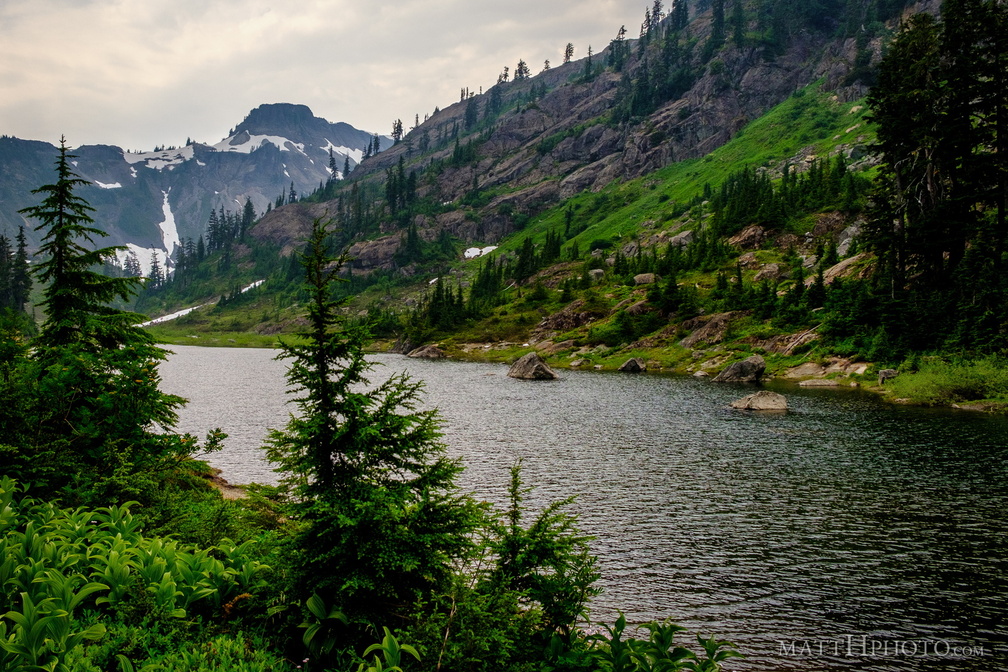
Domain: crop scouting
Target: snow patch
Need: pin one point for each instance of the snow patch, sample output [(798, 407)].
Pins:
[(169, 232), (172, 316), (474, 252), (356, 154), (254, 142), (114, 185), (161, 160)]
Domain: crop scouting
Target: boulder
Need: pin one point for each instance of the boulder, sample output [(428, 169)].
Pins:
[(427, 352), (701, 374), (764, 400), (886, 374), (633, 365), (644, 279), (548, 348), (531, 367), (403, 346), (750, 238), (596, 274), (681, 239), (768, 272), (749, 370)]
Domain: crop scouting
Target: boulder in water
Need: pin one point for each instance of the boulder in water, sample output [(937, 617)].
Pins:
[(531, 367), (764, 400)]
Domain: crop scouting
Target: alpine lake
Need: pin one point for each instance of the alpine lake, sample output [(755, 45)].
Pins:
[(844, 534)]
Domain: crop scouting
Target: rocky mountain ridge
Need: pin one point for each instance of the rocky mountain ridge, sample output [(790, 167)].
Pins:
[(150, 200)]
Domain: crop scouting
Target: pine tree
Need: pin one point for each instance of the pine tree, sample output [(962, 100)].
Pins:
[(368, 478), (6, 275), (21, 282), (76, 297), (156, 276), (93, 417), (568, 52)]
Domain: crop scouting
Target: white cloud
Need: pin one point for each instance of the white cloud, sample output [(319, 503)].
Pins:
[(141, 73)]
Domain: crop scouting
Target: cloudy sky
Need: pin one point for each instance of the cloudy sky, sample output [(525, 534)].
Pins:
[(140, 73)]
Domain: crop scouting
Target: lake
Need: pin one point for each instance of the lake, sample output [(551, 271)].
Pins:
[(845, 534)]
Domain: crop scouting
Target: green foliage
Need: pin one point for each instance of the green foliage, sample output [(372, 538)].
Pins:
[(941, 382), (939, 222), (79, 575), (391, 655), (548, 560)]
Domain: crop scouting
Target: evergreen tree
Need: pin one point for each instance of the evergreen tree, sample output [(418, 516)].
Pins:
[(680, 15), (368, 478), (76, 297), (156, 276), (6, 261), (521, 71), (568, 52), (20, 273), (87, 417), (248, 218)]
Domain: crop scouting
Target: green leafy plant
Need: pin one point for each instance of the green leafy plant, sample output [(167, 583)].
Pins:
[(391, 655), (320, 635)]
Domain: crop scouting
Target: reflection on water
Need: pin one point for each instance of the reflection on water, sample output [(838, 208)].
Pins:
[(841, 520)]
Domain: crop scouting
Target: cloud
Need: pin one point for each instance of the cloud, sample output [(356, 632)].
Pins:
[(142, 72)]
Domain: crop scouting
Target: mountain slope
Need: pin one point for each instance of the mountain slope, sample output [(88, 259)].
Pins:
[(490, 162)]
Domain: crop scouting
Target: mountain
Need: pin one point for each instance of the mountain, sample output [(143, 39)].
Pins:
[(489, 163), (151, 200)]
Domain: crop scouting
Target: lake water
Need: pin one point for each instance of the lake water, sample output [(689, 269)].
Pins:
[(846, 534)]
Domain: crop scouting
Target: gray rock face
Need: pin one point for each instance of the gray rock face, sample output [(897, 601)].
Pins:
[(747, 371), (531, 367), (633, 365), (764, 400)]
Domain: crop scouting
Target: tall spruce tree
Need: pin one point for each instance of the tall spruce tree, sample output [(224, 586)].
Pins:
[(367, 475), (77, 297), (21, 282), (86, 417)]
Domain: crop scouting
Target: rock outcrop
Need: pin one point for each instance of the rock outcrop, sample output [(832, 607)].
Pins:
[(764, 400), (531, 367), (886, 374), (749, 370)]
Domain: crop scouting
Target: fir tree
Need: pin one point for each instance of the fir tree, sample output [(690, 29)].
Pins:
[(76, 297), (20, 273), (366, 472)]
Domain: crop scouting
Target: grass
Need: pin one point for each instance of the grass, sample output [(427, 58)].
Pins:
[(939, 382)]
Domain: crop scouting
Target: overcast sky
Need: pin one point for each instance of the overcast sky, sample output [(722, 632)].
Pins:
[(140, 73)]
